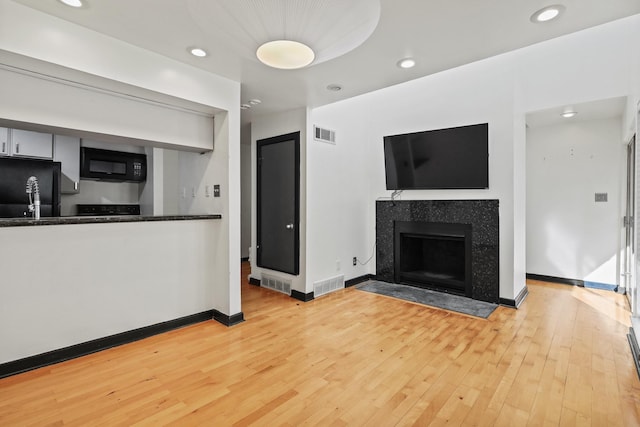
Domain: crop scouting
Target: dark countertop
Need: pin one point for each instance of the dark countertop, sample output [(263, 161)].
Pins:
[(16, 222)]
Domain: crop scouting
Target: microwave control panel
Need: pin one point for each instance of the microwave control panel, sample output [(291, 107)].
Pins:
[(137, 169)]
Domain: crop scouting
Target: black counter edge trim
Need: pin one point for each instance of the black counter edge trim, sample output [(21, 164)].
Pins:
[(227, 320), (357, 280), (635, 350), (67, 353), (75, 220), (515, 303), (253, 281), (301, 296), (562, 280)]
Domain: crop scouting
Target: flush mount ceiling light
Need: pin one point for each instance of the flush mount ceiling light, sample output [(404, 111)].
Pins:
[(196, 51), (289, 33), (285, 54), (255, 101), (406, 63), (334, 88), (547, 14), (72, 3)]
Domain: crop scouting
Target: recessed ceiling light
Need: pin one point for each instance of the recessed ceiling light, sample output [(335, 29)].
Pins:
[(548, 13), (245, 106), (196, 51), (334, 88), (568, 112), (285, 54), (72, 3), (406, 63), (254, 101)]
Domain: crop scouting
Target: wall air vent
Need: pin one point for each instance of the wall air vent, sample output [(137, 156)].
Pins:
[(324, 135), (326, 286), (276, 283)]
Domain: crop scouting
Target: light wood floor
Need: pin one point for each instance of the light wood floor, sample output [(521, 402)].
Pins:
[(355, 358)]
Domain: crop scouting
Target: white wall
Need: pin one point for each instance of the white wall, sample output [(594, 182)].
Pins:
[(476, 93), (266, 127), (97, 192), (569, 235), (339, 188), (592, 64)]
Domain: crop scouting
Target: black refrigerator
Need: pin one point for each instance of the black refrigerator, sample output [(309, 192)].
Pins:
[(14, 173)]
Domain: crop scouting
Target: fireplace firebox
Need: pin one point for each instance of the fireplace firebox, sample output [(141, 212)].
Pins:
[(434, 255)]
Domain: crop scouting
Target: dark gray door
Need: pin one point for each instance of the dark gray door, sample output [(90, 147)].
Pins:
[(278, 243)]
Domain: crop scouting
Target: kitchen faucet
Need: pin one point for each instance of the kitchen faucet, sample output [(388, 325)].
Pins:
[(34, 204)]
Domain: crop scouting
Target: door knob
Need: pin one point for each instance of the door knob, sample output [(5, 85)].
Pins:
[(289, 226)]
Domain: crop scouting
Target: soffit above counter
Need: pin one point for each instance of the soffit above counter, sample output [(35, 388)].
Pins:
[(42, 96)]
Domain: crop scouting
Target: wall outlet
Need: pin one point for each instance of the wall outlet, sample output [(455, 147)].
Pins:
[(216, 190), (193, 191), (207, 191), (355, 260)]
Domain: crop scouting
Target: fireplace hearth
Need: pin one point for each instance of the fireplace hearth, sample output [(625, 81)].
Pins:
[(433, 255), (445, 245)]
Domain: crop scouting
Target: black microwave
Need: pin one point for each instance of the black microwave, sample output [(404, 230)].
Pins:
[(117, 166)]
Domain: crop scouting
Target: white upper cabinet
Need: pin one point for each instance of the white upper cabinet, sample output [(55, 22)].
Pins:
[(4, 141), (66, 150), (25, 143)]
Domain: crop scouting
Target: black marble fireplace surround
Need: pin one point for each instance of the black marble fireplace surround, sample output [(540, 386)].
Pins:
[(446, 218)]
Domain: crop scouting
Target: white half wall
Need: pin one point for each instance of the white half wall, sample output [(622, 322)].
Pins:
[(569, 235), (88, 281)]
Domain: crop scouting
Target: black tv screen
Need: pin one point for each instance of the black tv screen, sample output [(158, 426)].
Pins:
[(438, 159)]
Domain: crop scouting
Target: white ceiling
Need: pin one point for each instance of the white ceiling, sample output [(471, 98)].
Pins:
[(439, 34)]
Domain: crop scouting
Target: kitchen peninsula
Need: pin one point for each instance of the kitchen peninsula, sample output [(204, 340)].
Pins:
[(76, 285), (72, 285)]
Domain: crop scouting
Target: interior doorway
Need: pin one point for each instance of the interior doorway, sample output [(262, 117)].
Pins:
[(278, 203), (575, 194)]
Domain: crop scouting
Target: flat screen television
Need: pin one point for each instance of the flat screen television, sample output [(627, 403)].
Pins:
[(452, 158)]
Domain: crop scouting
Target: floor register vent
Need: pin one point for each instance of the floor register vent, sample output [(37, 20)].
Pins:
[(324, 135), (326, 286), (276, 283)]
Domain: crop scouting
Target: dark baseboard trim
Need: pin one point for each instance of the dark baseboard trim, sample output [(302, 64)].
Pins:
[(301, 296), (244, 259), (93, 346), (511, 303), (227, 320), (635, 350), (253, 281), (357, 280), (542, 278), (515, 303)]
